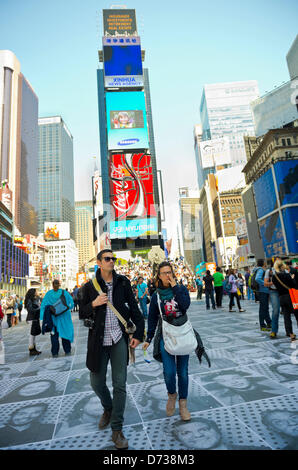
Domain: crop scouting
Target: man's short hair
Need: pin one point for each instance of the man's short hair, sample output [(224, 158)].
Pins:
[(56, 282), (260, 262), (102, 252)]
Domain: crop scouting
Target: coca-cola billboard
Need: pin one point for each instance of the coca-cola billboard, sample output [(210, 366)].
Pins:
[(131, 186)]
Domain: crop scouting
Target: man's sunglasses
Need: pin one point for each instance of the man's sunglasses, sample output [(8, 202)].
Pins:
[(110, 258)]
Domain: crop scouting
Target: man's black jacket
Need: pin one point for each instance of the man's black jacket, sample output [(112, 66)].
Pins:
[(123, 300)]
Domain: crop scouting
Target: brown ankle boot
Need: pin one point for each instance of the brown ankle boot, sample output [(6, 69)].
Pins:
[(171, 404), (184, 413), (119, 440), (105, 419)]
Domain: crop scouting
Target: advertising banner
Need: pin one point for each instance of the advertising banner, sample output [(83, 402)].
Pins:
[(97, 195), (119, 22), (211, 267), (265, 196), (215, 152), (286, 173), (126, 120), (123, 62), (81, 279), (54, 231), (131, 185), (290, 217), (272, 236), (133, 228)]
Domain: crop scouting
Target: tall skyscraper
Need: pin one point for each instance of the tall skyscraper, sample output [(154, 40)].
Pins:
[(84, 231), (128, 159), (18, 143), (225, 112), (56, 174)]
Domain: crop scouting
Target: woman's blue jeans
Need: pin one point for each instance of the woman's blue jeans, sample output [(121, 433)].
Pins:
[(274, 299), (143, 305), (171, 366)]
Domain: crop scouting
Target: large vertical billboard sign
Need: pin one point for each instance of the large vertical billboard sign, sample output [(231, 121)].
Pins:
[(126, 120), (286, 173), (131, 185), (272, 236), (123, 62), (119, 22), (265, 194)]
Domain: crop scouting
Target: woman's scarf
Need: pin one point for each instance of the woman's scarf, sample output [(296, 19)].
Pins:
[(165, 293)]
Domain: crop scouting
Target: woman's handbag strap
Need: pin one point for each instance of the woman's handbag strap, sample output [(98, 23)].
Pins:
[(286, 287)]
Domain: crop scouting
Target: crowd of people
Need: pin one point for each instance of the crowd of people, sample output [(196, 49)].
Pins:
[(264, 284)]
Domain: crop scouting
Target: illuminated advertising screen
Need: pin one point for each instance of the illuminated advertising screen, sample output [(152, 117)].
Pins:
[(122, 62), (272, 236), (290, 217), (133, 228), (131, 185), (264, 187), (54, 231), (119, 22), (286, 173), (126, 120)]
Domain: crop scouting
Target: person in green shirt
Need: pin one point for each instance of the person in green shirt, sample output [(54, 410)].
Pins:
[(218, 281)]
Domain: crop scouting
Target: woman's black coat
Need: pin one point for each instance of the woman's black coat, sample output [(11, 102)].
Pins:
[(123, 300)]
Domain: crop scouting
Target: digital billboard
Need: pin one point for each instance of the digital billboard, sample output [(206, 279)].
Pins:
[(265, 194), (54, 231), (126, 120), (122, 62), (290, 218), (272, 236), (133, 228), (131, 185), (286, 173), (119, 22)]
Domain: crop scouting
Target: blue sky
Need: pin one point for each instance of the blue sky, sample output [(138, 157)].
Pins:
[(188, 44)]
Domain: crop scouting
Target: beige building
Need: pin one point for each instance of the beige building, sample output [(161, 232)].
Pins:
[(84, 232)]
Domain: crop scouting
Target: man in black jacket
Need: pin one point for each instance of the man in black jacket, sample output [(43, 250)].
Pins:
[(108, 340)]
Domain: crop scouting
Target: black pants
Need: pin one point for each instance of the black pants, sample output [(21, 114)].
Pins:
[(287, 307), (232, 295), (199, 292), (218, 295), (8, 317)]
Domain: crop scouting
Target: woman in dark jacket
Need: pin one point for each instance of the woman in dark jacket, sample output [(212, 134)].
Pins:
[(32, 304), (283, 282), (174, 302)]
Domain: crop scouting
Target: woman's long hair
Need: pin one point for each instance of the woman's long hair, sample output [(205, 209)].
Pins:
[(157, 281), (29, 296)]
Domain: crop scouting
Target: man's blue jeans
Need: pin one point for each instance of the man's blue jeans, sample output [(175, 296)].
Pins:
[(171, 365), (274, 299), (143, 305), (250, 293), (264, 310)]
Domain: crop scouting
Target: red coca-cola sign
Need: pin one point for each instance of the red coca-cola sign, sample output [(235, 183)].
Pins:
[(131, 185)]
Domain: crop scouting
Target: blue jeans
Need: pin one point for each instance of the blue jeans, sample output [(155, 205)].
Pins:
[(250, 293), (66, 344), (274, 299), (209, 294), (143, 305), (264, 310), (171, 366)]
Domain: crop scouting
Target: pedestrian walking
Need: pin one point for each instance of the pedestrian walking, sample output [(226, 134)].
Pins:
[(199, 284), (233, 291), (241, 285), (142, 295), (108, 340), (274, 299), (32, 305), (249, 291), (263, 297), (63, 326), (174, 302), (283, 282), (209, 290), (9, 310), (20, 308), (218, 278), (75, 298)]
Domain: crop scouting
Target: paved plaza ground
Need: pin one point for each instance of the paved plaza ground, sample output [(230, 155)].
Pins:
[(248, 399)]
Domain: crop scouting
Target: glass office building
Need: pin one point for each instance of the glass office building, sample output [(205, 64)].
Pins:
[(56, 174), (225, 111)]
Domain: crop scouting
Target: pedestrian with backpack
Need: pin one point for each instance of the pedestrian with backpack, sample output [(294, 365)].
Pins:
[(263, 295), (273, 297)]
